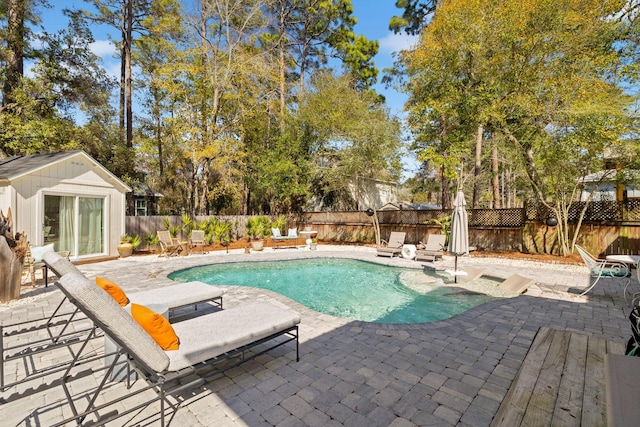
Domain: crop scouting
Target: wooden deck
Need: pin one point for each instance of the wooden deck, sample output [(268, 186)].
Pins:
[(560, 383)]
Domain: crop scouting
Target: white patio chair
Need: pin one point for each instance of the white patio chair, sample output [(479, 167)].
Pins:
[(599, 268)]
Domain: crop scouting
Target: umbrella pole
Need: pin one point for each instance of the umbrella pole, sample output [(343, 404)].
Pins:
[(455, 270)]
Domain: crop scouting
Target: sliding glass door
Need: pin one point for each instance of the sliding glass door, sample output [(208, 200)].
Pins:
[(75, 224)]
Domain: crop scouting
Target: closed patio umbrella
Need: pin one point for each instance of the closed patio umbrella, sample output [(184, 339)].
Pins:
[(459, 239)]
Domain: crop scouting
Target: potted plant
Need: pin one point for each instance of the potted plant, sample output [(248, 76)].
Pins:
[(257, 228), (152, 241), (47, 225), (314, 243), (128, 244)]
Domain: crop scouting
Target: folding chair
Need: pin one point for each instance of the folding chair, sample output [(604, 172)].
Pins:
[(168, 245), (197, 238)]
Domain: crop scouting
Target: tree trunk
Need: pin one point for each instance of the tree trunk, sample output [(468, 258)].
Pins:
[(13, 250), (128, 44), (14, 54), (495, 180), (477, 188)]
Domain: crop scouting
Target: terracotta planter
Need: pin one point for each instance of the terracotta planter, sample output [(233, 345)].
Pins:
[(125, 249)]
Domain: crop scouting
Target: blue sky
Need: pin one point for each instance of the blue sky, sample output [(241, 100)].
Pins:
[(373, 21)]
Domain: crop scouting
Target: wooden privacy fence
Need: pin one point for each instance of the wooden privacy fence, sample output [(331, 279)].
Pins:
[(608, 227)]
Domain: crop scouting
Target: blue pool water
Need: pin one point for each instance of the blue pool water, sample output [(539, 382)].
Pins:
[(347, 288)]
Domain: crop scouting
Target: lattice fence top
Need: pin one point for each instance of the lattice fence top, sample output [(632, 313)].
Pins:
[(598, 211)]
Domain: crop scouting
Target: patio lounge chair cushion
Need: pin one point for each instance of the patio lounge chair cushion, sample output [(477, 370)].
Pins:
[(59, 264), (293, 233), (173, 296), (114, 290), (178, 295), (201, 338), (156, 326), (212, 335), (276, 232), (611, 272), (91, 299), (37, 252)]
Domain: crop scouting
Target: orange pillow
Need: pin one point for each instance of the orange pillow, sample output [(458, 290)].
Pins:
[(157, 326), (114, 290)]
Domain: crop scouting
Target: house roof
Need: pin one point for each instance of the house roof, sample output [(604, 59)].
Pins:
[(142, 189), (15, 167), (610, 175)]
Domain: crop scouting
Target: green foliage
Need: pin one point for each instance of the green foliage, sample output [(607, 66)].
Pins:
[(134, 240), (351, 134), (279, 223), (414, 17), (188, 223), (224, 232), (151, 239), (174, 230), (258, 227), (540, 77), (444, 223)]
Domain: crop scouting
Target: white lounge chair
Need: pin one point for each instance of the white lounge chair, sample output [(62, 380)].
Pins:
[(58, 324), (599, 268), (204, 340), (172, 296)]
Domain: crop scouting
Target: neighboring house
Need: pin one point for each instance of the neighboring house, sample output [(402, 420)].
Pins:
[(143, 201), (67, 199), (374, 193), (371, 194), (607, 185)]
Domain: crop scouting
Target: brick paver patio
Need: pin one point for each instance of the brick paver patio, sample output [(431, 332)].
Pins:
[(453, 372)]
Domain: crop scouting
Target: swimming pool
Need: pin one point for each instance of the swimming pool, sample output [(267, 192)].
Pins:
[(348, 288)]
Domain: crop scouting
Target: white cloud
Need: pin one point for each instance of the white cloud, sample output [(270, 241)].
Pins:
[(103, 48), (395, 42)]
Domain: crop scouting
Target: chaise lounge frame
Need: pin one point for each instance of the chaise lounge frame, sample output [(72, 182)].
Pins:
[(148, 360), (393, 246), (58, 323), (433, 249)]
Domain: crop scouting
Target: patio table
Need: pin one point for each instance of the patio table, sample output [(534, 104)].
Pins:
[(630, 260), (309, 234)]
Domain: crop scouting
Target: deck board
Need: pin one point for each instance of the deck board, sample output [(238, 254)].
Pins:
[(569, 405), (560, 382)]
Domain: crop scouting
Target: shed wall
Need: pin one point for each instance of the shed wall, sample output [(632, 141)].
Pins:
[(74, 176)]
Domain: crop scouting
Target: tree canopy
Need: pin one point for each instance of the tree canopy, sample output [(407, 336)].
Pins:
[(212, 106), (546, 81)]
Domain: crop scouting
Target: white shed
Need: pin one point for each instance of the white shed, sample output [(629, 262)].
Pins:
[(67, 199)]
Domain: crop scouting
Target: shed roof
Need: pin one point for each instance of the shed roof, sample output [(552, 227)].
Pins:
[(15, 167)]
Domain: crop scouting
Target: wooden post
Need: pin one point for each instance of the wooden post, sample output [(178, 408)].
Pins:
[(13, 249)]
